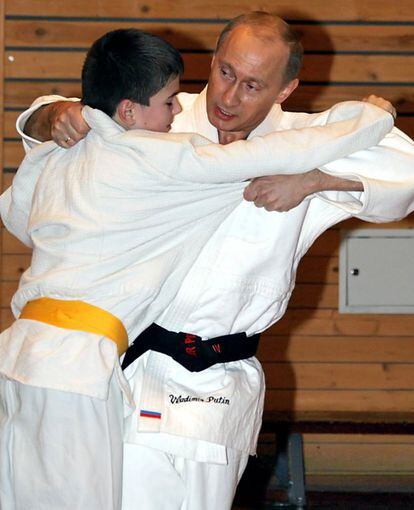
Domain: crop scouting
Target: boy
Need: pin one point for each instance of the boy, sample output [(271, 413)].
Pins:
[(115, 223)]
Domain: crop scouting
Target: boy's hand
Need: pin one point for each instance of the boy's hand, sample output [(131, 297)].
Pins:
[(381, 103), (67, 126)]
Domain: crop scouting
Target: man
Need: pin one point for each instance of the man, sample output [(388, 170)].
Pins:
[(109, 222), (189, 440)]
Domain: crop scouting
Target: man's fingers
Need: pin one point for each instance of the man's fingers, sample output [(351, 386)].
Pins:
[(250, 192), (65, 135), (68, 126)]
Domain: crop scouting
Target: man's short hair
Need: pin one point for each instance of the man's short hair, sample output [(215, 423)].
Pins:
[(257, 20), (127, 64)]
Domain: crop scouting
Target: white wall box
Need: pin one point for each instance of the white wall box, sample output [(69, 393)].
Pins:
[(376, 271)]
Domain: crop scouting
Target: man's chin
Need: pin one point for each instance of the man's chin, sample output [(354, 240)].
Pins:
[(223, 125)]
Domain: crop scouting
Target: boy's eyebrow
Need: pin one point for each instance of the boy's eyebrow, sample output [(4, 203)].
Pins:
[(173, 94)]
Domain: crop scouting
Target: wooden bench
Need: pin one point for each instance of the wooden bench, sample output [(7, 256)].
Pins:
[(289, 464)]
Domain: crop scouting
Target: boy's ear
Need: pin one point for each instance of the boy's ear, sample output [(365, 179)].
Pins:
[(127, 113)]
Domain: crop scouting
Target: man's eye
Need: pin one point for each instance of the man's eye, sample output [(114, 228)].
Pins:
[(250, 87), (224, 72)]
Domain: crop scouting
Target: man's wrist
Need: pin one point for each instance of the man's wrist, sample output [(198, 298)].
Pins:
[(313, 182), (37, 125), (319, 181)]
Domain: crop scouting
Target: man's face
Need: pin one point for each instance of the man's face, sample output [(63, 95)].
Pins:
[(160, 113), (246, 79)]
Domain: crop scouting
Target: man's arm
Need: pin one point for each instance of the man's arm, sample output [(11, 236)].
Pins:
[(60, 121), (284, 192), (386, 173)]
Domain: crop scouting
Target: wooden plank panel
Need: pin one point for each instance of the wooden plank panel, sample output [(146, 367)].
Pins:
[(303, 401), (13, 154), (11, 245), (342, 68), (320, 97), (358, 68), (7, 291), (314, 296), (13, 266), (389, 483), (7, 179), (10, 124), (202, 36), (364, 453), (39, 64), (359, 458), (406, 124), (305, 98), (68, 64), (359, 438), (6, 317), (327, 245), (2, 11), (407, 222), (331, 322), (63, 34), (368, 10), (339, 376), (21, 94), (336, 348), (318, 270)]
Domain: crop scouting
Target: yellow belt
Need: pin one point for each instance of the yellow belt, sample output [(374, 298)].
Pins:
[(79, 316)]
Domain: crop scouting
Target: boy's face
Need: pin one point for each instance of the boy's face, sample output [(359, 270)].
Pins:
[(158, 116)]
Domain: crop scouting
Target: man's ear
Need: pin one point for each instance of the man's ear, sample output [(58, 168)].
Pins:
[(127, 113), (286, 91), (212, 61)]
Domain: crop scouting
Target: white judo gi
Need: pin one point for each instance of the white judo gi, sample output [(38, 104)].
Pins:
[(110, 223), (189, 451)]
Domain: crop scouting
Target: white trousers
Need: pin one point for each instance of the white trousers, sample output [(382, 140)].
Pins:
[(154, 480), (59, 450)]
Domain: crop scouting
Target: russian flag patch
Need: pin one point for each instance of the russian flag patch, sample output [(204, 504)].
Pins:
[(150, 414)]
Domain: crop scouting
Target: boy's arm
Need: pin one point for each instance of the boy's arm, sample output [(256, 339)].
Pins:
[(348, 127), (63, 121), (16, 201)]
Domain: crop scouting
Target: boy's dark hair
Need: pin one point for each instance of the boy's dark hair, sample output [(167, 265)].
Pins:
[(127, 64)]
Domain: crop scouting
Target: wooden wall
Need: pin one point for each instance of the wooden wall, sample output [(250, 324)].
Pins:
[(315, 358)]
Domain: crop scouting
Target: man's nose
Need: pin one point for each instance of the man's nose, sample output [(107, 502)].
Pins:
[(230, 95)]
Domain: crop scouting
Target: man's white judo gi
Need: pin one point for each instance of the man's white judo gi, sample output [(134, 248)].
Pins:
[(110, 223), (195, 441)]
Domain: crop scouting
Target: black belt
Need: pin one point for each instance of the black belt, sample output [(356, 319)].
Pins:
[(191, 351)]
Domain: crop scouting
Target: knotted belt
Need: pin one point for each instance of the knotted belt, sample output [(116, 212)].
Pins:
[(191, 351), (77, 315)]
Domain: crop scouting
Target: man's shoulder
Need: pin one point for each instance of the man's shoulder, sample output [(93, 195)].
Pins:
[(185, 120)]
